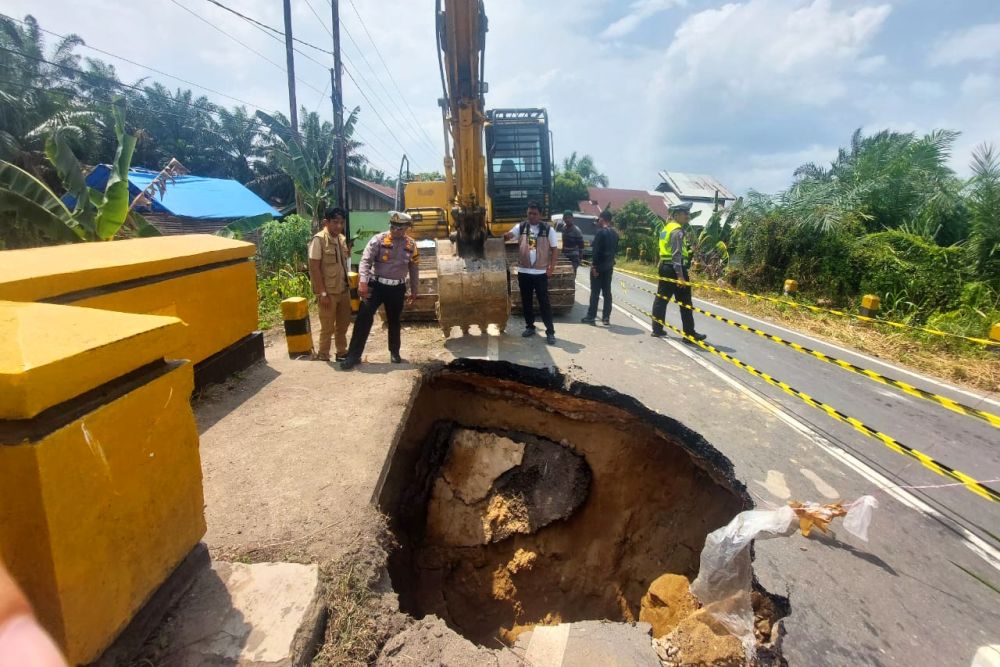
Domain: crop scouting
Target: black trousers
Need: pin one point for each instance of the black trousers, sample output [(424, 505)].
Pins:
[(600, 284), (680, 293), (530, 284), (393, 297)]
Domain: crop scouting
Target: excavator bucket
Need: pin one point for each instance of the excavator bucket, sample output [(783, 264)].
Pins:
[(472, 291)]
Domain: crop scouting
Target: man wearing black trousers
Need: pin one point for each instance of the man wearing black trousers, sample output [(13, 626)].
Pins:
[(537, 254), (388, 258), (675, 257), (605, 247)]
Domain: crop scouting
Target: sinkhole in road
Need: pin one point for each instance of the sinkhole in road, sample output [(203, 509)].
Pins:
[(518, 497)]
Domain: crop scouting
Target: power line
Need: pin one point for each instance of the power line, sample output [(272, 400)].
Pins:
[(278, 35), (137, 64), (387, 100), (388, 71), (215, 27)]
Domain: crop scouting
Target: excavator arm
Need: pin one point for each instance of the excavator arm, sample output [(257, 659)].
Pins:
[(461, 37)]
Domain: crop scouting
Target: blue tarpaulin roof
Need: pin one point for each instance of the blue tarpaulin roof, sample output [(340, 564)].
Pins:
[(191, 196)]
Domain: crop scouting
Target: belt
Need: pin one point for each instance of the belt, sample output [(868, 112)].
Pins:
[(388, 281)]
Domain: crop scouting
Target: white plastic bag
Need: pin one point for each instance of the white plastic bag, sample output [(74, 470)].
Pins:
[(725, 577), (859, 517)]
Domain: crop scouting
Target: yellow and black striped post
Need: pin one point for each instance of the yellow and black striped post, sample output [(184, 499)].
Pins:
[(869, 305), (791, 287), (298, 334), (995, 332), (352, 281)]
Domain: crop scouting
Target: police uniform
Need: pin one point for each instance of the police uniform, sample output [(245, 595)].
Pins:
[(385, 264), (335, 263), (675, 257)]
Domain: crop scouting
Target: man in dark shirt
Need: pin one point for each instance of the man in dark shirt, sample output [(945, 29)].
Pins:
[(572, 240), (605, 248)]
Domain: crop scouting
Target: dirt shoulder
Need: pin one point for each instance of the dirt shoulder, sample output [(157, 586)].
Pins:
[(292, 450)]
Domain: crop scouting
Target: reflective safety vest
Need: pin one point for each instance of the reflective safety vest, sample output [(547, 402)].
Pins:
[(666, 252)]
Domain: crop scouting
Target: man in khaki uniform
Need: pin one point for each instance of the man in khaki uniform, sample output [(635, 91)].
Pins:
[(329, 264)]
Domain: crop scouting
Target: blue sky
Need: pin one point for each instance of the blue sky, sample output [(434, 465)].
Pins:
[(744, 90)]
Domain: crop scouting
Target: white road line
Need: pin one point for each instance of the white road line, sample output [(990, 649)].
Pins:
[(493, 347), (972, 541), (860, 355)]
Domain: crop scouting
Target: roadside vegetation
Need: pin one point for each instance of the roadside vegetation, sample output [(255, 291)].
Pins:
[(888, 217)]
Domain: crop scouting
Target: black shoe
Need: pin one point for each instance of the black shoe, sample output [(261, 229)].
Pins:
[(395, 358), (589, 320), (698, 336), (528, 332), (341, 357), (607, 321), (349, 363), (550, 339), (658, 334)]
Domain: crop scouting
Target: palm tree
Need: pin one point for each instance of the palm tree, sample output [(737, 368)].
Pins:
[(239, 135), (37, 95), (984, 203), (584, 166), (305, 163)]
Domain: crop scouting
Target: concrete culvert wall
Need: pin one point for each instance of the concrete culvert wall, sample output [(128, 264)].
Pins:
[(520, 499)]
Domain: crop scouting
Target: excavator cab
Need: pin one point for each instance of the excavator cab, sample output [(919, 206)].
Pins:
[(518, 165)]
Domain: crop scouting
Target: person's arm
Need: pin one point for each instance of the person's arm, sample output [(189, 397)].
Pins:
[(511, 233), (598, 250), (677, 253), (415, 273), (316, 270), (554, 247), (365, 267)]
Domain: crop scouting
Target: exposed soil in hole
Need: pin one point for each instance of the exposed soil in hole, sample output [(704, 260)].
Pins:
[(520, 499)]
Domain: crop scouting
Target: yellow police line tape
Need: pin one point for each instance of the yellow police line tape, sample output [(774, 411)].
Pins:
[(815, 309), (971, 484), (944, 401)]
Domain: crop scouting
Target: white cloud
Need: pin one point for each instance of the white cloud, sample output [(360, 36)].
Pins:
[(638, 11), (761, 50), (981, 42)]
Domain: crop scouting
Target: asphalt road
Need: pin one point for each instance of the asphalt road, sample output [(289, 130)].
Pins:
[(910, 595)]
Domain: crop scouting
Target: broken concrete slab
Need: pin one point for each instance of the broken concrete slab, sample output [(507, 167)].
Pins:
[(265, 614), (431, 642), (476, 459), (588, 644)]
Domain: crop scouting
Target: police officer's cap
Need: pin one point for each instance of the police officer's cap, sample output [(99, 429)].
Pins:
[(398, 218), (568, 212), (683, 207)]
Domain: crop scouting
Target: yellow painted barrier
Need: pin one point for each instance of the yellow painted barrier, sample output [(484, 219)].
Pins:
[(298, 334), (353, 280), (791, 286), (869, 305), (995, 331), (207, 281), (100, 478)]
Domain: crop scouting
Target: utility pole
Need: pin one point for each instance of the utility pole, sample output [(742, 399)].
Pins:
[(337, 97), (292, 104)]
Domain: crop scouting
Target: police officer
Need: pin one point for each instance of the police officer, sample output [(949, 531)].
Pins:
[(386, 261), (572, 239), (329, 264), (675, 258)]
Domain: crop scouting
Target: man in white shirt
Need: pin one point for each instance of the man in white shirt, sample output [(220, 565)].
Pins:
[(538, 251)]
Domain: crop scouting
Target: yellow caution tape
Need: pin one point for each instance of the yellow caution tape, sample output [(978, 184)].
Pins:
[(944, 401), (971, 484), (815, 309)]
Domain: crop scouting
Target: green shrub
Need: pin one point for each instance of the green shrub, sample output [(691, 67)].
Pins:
[(914, 277), (273, 288), (284, 243), (978, 309)]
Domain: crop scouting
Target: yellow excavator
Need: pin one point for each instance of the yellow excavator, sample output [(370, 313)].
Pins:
[(495, 163)]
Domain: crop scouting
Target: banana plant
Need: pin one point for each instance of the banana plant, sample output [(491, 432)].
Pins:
[(97, 215)]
